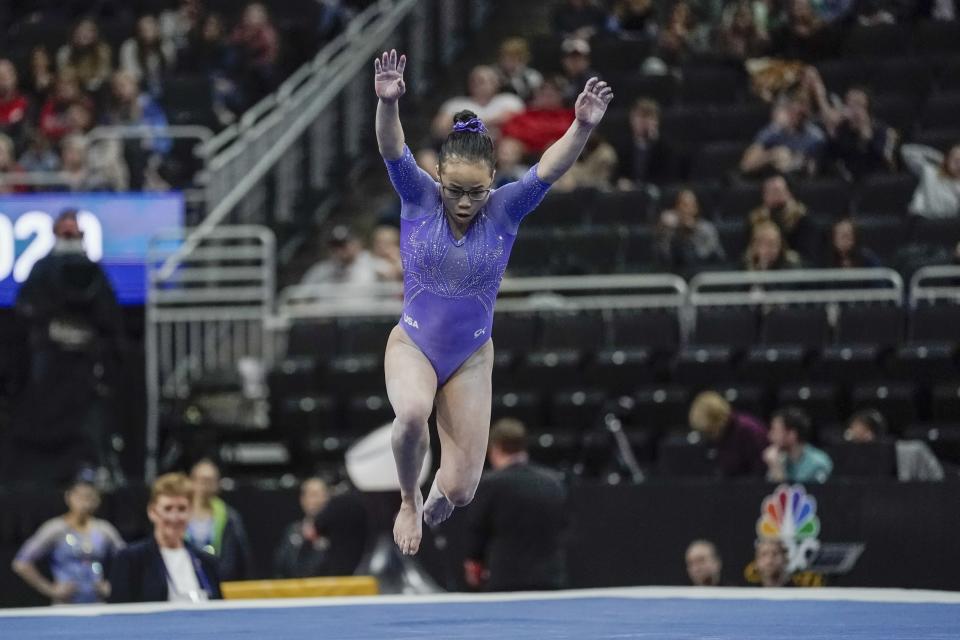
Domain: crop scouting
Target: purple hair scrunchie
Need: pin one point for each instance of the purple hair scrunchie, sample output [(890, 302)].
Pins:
[(474, 125)]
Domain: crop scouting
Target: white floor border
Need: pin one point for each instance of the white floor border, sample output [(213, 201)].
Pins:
[(906, 596)]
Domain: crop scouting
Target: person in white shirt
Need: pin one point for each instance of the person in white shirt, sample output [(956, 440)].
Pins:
[(485, 99), (165, 567), (938, 194)]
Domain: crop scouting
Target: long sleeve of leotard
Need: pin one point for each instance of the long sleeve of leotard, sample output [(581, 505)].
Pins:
[(418, 191), (512, 202)]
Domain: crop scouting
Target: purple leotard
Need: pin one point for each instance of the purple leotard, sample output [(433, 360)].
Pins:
[(450, 286)]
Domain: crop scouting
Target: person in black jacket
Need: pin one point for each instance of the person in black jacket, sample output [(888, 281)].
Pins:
[(516, 520), (165, 567), (75, 331)]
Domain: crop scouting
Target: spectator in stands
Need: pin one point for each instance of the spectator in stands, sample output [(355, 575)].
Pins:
[(129, 107), (513, 68), (681, 35), (332, 18), (209, 54), (39, 156), (685, 242), (179, 23), (546, 118), (88, 55), (576, 65), (915, 460), (582, 18), (348, 264), (790, 456), (938, 194), (385, 246), (845, 249), (704, 565), (790, 144), (646, 157), (259, 49), (633, 19), (782, 208), (770, 560), (41, 78), (80, 174), (740, 438), (302, 550), (483, 98), (166, 566), (9, 169), (804, 35), (14, 106), (510, 165), (77, 547), (53, 114), (517, 519), (215, 526), (740, 37), (148, 57), (595, 167), (944, 10), (766, 251), (858, 143)]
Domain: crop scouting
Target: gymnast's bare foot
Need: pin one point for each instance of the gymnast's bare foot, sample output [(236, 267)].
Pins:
[(408, 527), (438, 507)]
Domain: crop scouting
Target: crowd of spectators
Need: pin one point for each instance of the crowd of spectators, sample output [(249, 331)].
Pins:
[(196, 541), (115, 68)]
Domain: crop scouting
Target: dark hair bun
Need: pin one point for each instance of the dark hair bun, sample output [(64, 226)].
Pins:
[(464, 116)]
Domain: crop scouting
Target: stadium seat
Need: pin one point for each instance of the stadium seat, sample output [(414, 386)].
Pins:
[(945, 402), (638, 250), (703, 366), (935, 37), (885, 194), (738, 200), (546, 370), (717, 160), (773, 365), (820, 401), (807, 326), (828, 197), (306, 414), (925, 362), (661, 407), (876, 41), (845, 364), (622, 208), (365, 336), (942, 437), (525, 406), (882, 234), (515, 332), (712, 84), (563, 209), (354, 374), (735, 327), (738, 122), (366, 412), (535, 252), (312, 337), (590, 251), (683, 456), (863, 460), (876, 324), (896, 401), (576, 409), (750, 399), (620, 371), (941, 111), (935, 323), (579, 330), (656, 330), (609, 54)]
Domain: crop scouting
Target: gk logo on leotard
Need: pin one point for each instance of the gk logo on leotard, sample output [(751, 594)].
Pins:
[(479, 332), (410, 321)]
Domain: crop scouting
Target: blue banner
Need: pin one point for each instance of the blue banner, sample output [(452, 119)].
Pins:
[(117, 229)]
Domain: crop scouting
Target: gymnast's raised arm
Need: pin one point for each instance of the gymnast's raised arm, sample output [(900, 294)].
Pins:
[(589, 109), (389, 86)]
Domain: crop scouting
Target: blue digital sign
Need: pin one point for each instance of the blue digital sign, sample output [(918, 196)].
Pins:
[(116, 233)]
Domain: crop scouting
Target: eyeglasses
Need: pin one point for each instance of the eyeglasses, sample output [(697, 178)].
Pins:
[(474, 194)]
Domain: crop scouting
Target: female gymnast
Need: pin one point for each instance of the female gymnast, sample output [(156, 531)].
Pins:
[(456, 238)]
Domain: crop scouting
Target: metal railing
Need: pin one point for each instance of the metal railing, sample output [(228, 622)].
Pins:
[(317, 129), (931, 284), (206, 316), (802, 286)]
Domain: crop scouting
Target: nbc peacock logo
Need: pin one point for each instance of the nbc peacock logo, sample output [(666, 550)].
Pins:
[(790, 515)]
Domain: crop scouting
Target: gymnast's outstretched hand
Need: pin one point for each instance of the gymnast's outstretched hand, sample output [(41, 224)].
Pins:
[(388, 76), (592, 102)]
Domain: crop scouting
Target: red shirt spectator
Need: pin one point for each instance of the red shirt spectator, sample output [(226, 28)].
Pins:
[(544, 122), (13, 104), (54, 120), (257, 37)]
